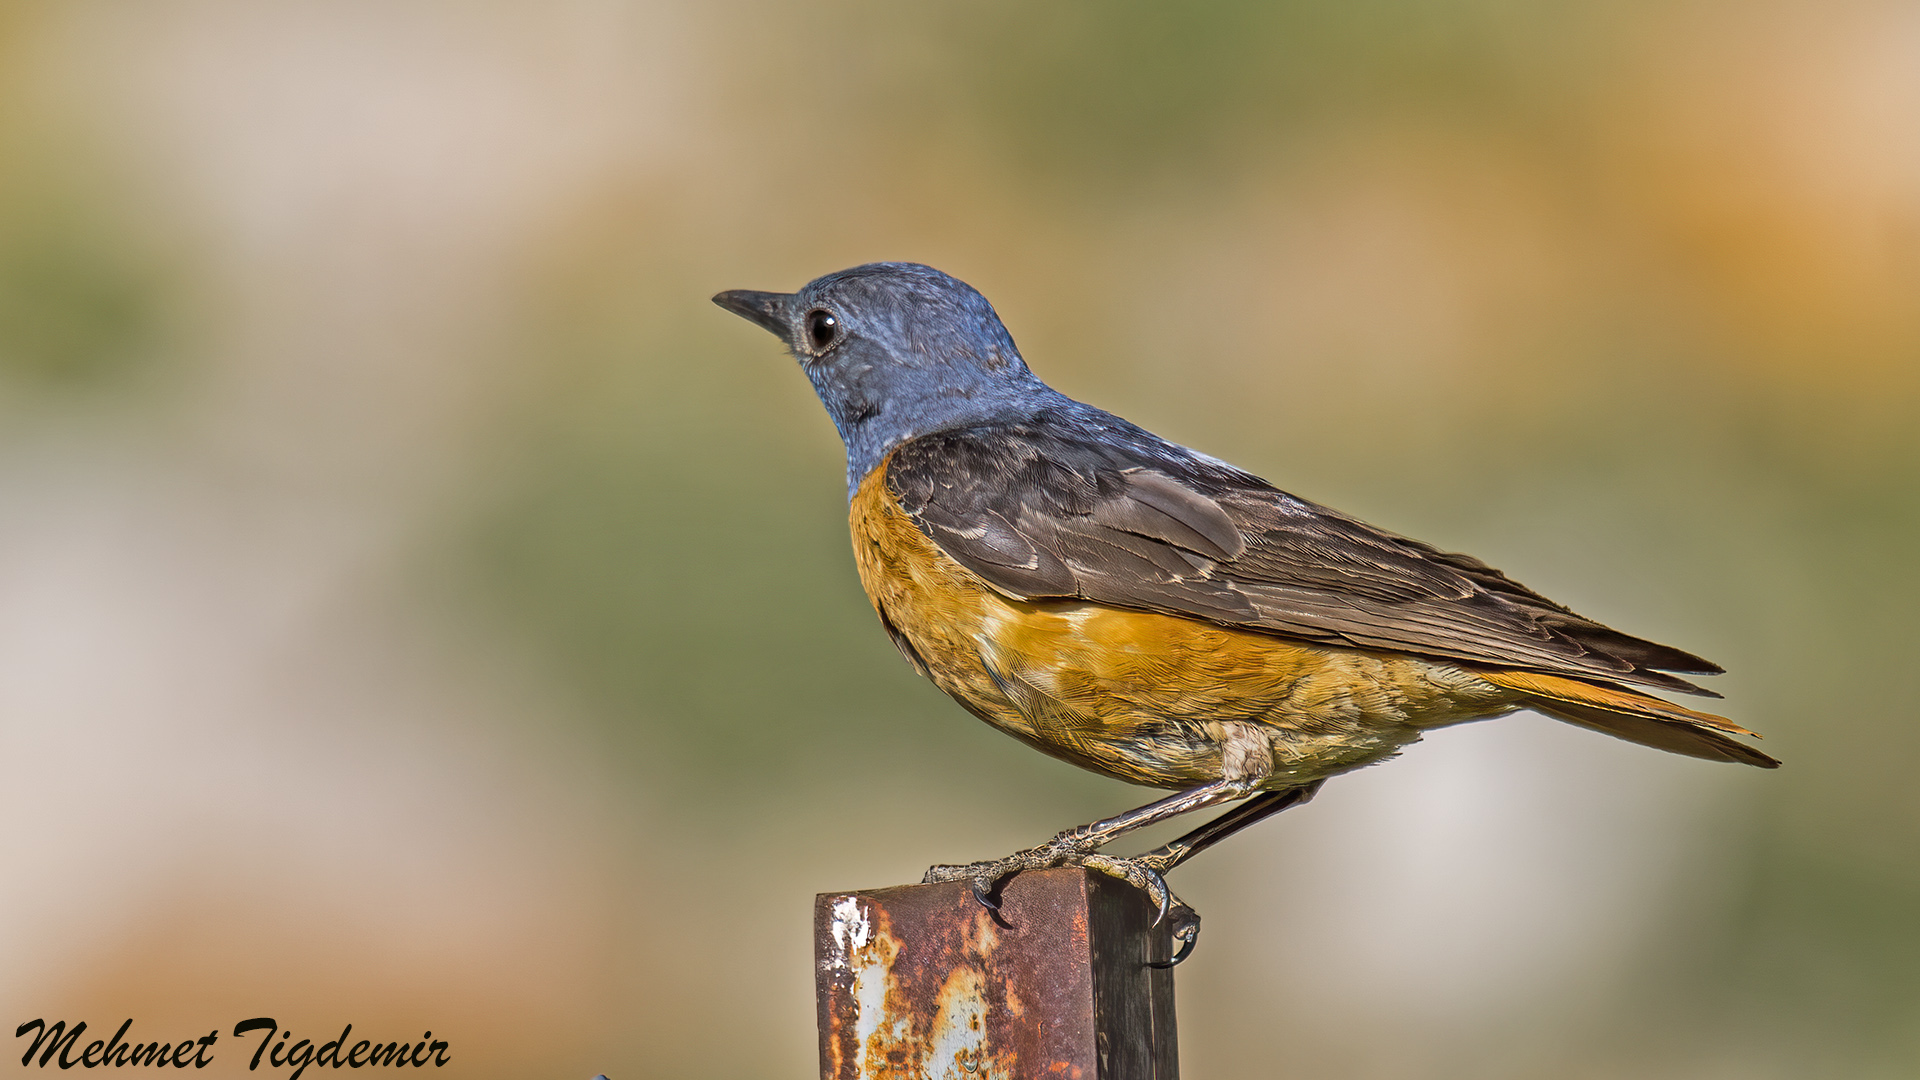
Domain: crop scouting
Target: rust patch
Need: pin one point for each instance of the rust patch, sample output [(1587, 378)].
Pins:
[(919, 982)]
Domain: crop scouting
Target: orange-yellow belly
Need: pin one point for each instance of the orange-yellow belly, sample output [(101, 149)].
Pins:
[(1138, 695)]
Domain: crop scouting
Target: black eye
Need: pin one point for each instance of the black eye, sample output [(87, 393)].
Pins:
[(822, 329)]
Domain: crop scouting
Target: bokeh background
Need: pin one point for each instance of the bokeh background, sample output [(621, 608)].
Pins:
[(420, 608)]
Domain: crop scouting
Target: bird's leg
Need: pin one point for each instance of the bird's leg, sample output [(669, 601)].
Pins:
[(1259, 808), (1246, 760), (1186, 921), (1079, 846)]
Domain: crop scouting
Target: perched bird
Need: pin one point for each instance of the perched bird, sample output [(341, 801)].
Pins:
[(1152, 613)]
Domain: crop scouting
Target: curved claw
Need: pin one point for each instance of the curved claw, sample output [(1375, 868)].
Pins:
[(1140, 876), (1186, 950), (983, 881), (985, 878), (1187, 933), (983, 891)]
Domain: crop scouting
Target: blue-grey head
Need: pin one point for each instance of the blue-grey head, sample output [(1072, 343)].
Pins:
[(897, 351)]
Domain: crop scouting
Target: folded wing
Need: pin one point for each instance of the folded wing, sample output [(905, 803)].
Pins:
[(1094, 508)]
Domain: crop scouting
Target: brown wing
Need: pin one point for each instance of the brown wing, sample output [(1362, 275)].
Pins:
[(1089, 506)]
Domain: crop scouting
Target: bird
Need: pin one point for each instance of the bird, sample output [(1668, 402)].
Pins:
[(1154, 614)]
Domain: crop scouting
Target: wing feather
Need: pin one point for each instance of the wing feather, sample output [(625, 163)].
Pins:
[(1087, 506)]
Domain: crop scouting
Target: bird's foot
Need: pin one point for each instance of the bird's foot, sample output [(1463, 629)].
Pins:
[(1186, 931), (1148, 874), (986, 878), (1144, 872)]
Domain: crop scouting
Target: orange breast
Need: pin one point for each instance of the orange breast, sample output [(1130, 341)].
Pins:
[(1140, 695)]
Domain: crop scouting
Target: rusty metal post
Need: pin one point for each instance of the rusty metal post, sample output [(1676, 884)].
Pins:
[(919, 982)]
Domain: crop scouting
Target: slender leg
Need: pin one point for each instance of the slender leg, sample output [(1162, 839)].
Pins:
[(1259, 808), (1078, 847), (1186, 921), (1102, 832)]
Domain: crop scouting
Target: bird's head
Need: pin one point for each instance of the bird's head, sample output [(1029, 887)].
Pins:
[(896, 351)]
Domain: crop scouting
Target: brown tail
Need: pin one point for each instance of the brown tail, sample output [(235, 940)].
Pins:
[(1634, 717)]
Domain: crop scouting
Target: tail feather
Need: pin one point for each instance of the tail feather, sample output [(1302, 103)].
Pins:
[(1634, 717)]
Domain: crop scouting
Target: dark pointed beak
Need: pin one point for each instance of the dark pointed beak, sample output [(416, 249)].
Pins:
[(770, 310)]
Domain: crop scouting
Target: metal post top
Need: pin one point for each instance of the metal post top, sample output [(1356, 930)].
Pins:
[(922, 981)]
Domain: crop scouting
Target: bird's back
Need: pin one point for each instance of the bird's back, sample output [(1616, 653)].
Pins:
[(1142, 695), (1112, 599)]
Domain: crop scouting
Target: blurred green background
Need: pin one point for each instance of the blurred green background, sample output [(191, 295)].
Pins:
[(422, 609)]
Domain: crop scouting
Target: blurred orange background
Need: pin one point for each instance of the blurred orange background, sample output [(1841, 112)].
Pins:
[(420, 608)]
